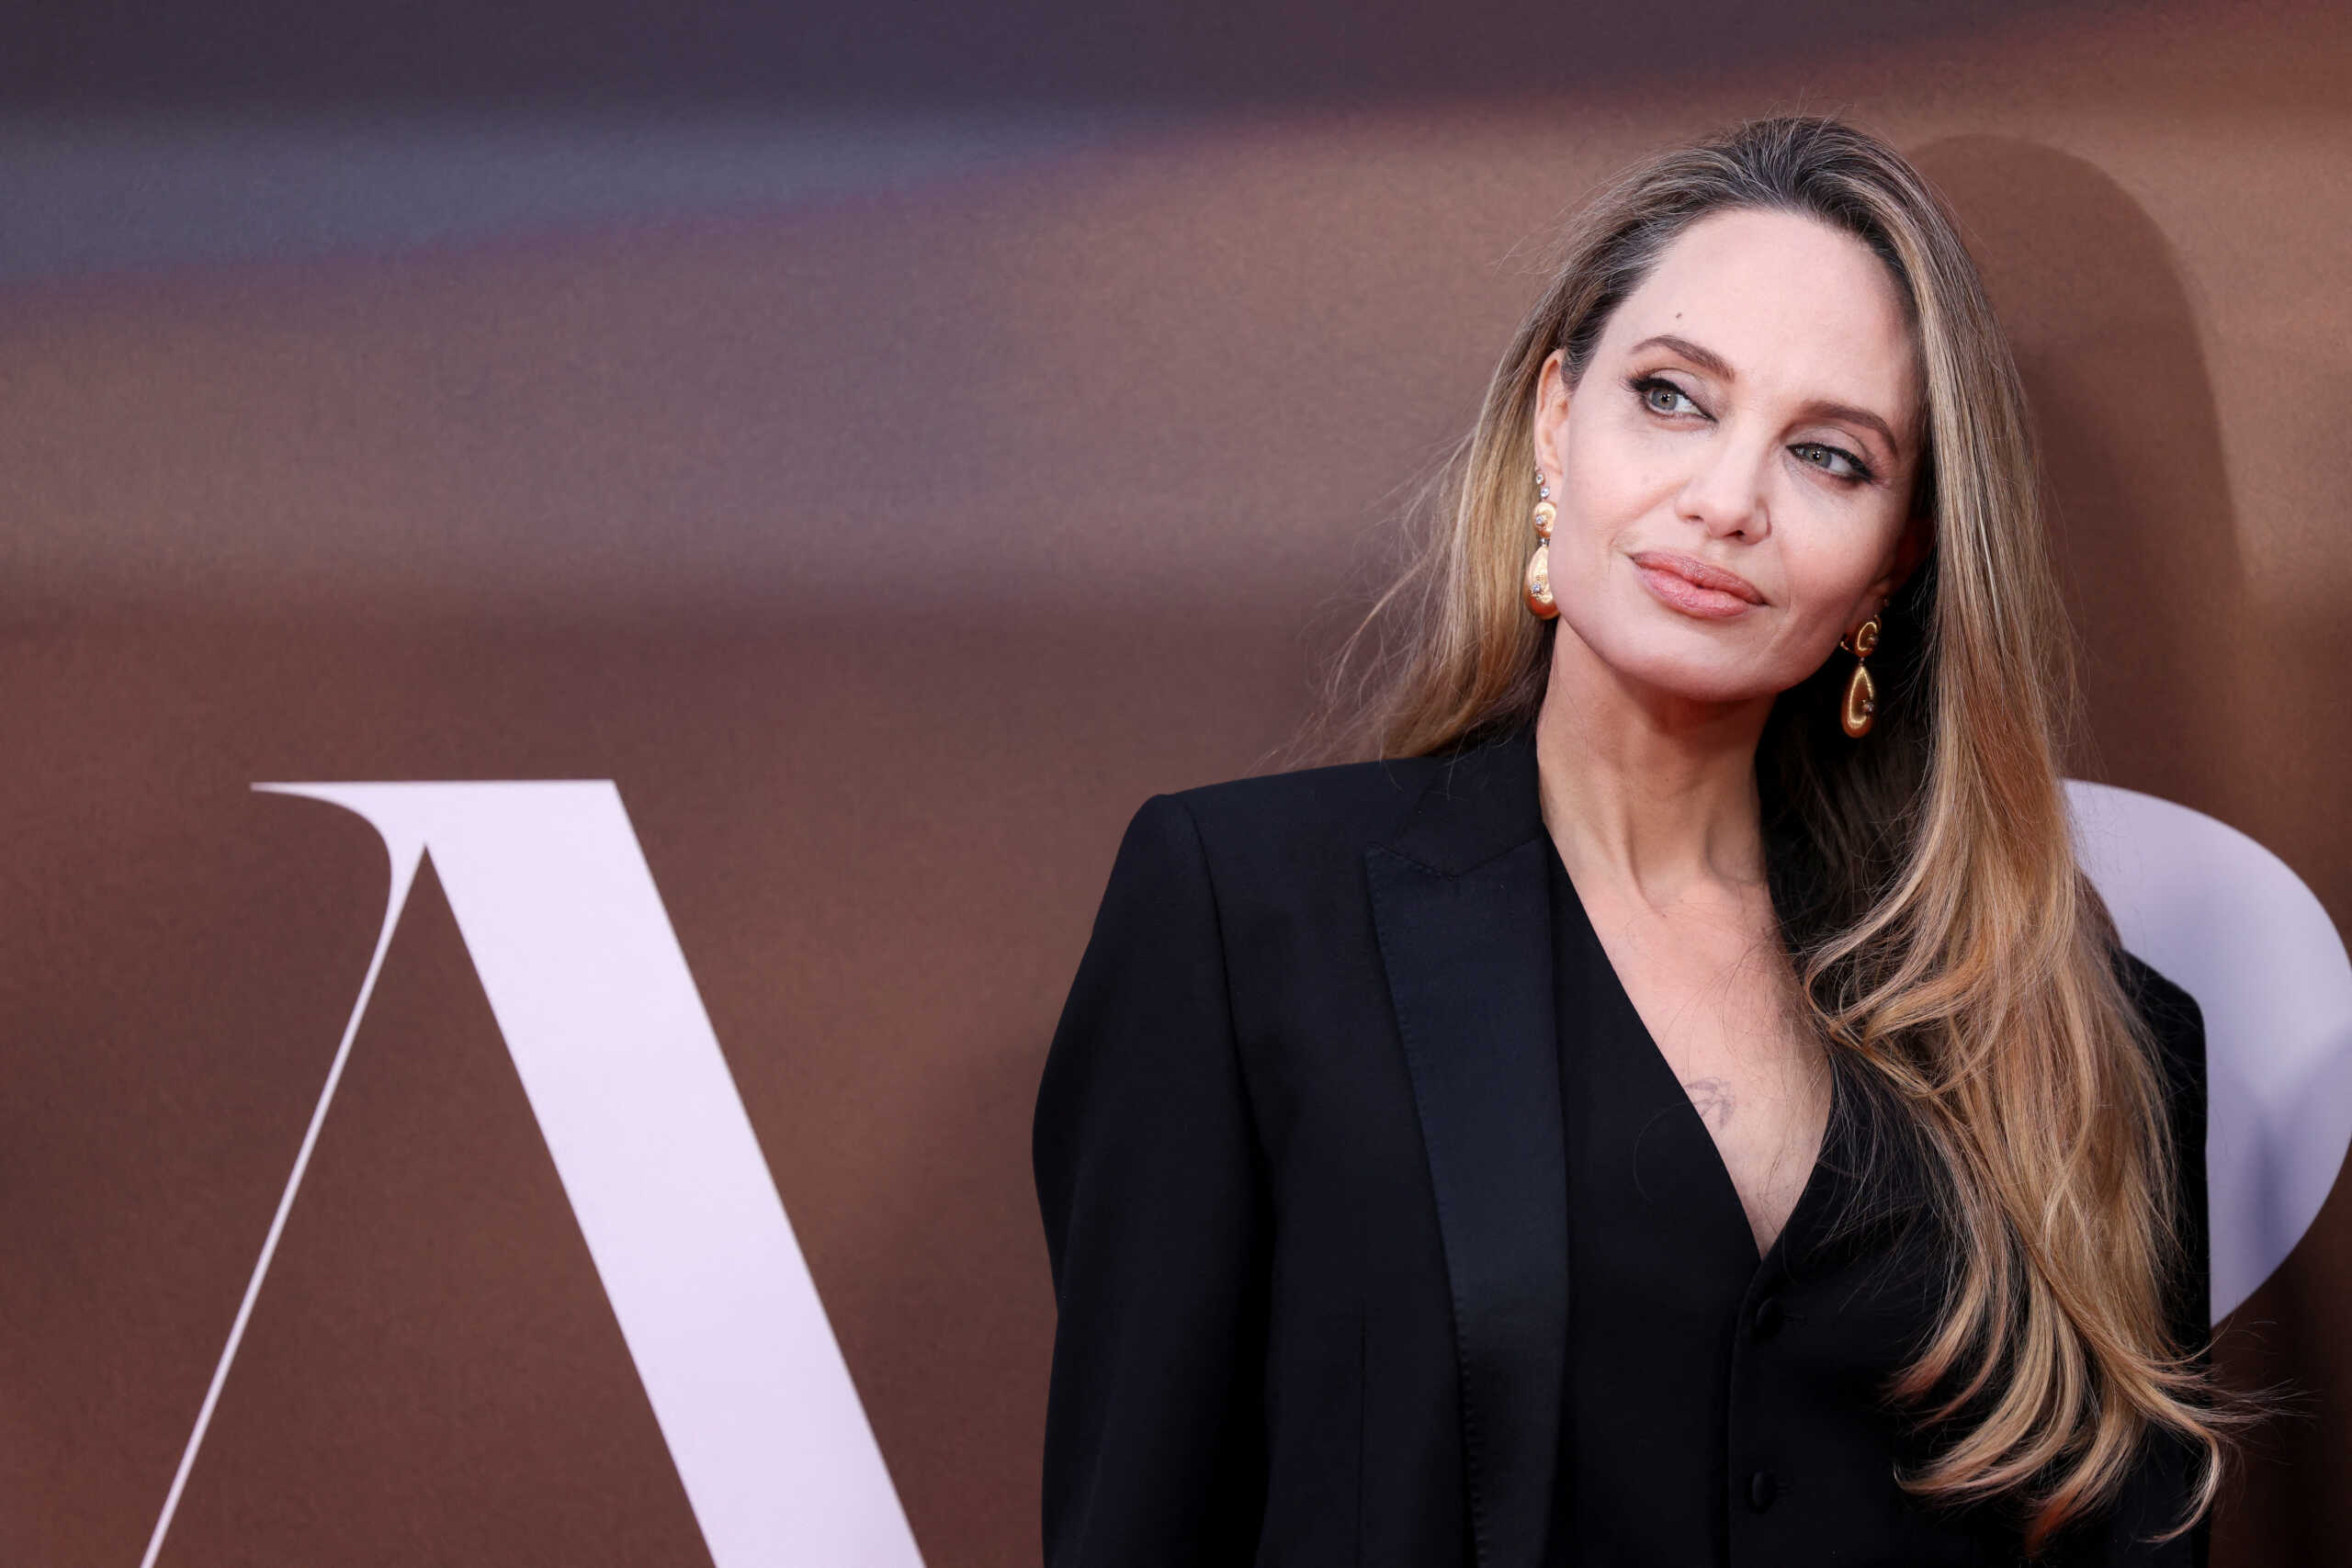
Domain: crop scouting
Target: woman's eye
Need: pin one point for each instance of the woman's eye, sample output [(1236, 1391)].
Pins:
[(1662, 397), (1830, 459)]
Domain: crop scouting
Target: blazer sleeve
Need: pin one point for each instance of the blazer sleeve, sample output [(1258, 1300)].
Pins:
[(2178, 1025), (1152, 1188)]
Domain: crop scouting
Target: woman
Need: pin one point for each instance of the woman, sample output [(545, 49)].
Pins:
[(1683, 1105)]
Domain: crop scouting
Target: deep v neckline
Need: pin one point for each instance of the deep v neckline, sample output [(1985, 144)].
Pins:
[(1669, 1092)]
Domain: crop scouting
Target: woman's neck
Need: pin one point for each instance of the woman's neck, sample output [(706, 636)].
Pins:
[(1652, 791)]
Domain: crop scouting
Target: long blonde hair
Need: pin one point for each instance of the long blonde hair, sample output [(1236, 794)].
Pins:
[(1956, 961)]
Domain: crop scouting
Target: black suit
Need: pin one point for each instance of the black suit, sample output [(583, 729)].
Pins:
[(1299, 1150)]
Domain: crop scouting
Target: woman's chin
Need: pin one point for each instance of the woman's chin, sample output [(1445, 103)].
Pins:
[(1675, 676)]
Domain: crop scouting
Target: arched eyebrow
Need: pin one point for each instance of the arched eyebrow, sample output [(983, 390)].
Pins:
[(1715, 365)]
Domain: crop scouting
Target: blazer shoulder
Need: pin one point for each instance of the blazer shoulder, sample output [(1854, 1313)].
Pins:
[(1344, 806), (2173, 1016), (2155, 991)]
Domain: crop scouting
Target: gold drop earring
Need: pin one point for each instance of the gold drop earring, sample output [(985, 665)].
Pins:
[(1861, 692), (1539, 566)]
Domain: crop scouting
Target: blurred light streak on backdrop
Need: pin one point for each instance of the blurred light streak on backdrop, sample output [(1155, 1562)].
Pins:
[(888, 443)]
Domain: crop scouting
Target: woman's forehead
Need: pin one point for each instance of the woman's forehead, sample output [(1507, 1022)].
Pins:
[(1791, 306)]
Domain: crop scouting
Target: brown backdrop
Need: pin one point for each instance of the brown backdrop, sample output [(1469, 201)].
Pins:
[(887, 548)]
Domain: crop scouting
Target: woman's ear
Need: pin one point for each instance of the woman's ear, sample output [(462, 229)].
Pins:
[(1911, 547), (1551, 418)]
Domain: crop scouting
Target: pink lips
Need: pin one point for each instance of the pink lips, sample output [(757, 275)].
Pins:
[(1689, 584)]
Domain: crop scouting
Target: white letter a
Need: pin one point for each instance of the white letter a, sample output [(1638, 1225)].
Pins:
[(588, 985)]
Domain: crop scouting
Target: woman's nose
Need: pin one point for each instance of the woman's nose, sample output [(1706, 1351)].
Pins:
[(1724, 494)]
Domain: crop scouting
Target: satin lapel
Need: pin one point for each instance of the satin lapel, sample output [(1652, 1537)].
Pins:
[(1463, 908)]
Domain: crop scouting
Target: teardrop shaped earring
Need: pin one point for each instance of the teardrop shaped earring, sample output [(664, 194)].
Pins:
[(1539, 566), (1855, 715)]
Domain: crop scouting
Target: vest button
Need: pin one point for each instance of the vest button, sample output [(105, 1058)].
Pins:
[(1761, 1489), (1768, 1317)]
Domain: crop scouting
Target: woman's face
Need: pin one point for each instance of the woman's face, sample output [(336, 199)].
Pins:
[(1734, 473)]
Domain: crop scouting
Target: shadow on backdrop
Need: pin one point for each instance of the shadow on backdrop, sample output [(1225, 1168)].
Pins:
[(2140, 505)]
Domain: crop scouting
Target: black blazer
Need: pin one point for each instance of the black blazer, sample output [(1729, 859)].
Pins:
[(1299, 1151)]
